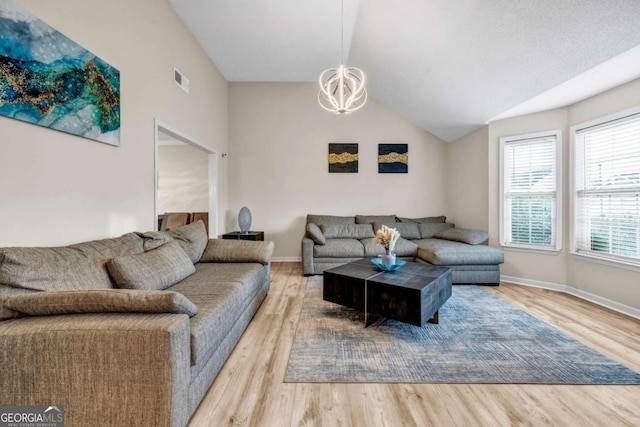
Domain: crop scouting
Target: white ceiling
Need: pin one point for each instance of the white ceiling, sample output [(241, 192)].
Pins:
[(449, 66)]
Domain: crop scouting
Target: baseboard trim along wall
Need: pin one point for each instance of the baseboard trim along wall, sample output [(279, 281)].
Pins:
[(286, 259), (596, 299)]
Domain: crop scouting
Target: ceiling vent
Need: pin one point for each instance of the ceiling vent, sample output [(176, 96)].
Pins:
[(181, 80)]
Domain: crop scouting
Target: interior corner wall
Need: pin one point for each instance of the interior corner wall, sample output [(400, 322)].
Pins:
[(614, 283), (545, 267), (467, 180), (56, 188), (278, 162), (589, 278)]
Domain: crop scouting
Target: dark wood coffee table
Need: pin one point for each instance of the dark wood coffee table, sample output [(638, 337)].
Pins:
[(413, 294)]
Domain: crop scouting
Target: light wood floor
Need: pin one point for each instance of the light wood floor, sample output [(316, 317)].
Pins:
[(249, 391)]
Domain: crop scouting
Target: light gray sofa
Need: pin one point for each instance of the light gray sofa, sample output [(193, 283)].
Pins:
[(330, 241), (126, 331)]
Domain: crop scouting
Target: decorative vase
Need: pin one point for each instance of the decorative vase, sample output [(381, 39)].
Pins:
[(244, 219), (389, 258)]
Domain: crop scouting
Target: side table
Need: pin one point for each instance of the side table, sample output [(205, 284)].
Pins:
[(249, 235)]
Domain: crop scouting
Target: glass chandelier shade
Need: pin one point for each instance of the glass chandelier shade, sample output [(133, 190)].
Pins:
[(342, 90)]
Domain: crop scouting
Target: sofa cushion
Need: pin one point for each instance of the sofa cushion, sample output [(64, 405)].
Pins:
[(221, 292), (314, 233), (339, 248), (330, 219), (155, 269), (424, 220), (79, 266), (370, 219), (430, 229), (347, 231), (463, 235), (446, 252), (221, 250), (100, 301), (406, 229), (403, 248), (193, 238)]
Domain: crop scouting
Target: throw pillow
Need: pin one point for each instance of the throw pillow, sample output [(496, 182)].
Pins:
[(154, 239), (430, 229), (424, 220), (370, 219), (314, 232), (221, 250), (193, 238), (347, 231), (101, 301), (156, 269), (408, 230), (330, 219), (464, 235)]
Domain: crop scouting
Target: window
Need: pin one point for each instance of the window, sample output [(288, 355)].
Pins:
[(606, 188), (530, 209)]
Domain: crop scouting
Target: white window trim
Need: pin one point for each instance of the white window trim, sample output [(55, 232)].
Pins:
[(558, 223), (591, 257)]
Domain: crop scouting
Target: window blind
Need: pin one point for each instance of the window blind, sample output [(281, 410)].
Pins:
[(607, 190), (529, 192)]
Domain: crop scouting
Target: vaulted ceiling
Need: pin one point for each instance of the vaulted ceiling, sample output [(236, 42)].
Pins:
[(449, 66)]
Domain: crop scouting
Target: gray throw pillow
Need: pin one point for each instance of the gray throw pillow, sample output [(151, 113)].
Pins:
[(193, 238), (154, 239), (156, 269), (221, 250), (430, 229), (101, 301), (314, 232), (464, 235), (347, 231), (408, 230), (370, 219), (424, 220)]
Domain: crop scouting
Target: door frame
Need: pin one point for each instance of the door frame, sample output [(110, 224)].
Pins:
[(213, 172)]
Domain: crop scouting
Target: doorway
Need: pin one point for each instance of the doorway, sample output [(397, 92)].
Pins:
[(188, 184)]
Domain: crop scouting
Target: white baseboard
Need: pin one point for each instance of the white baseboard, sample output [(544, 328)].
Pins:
[(596, 299), (286, 259)]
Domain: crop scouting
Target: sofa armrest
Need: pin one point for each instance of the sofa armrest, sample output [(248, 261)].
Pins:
[(307, 256), (221, 250), (111, 369)]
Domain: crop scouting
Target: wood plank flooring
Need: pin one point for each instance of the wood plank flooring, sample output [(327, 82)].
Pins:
[(249, 391)]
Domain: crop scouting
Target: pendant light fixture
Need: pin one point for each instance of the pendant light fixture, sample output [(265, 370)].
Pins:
[(342, 89)]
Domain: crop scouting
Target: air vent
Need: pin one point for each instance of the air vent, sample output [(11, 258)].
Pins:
[(181, 80)]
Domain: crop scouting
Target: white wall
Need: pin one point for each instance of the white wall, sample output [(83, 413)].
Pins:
[(57, 188), (467, 180), (594, 280), (183, 179), (613, 283), (278, 162)]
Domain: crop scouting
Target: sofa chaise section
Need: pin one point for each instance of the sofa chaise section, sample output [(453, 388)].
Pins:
[(331, 241)]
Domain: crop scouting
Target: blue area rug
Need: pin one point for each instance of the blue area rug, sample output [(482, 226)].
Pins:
[(481, 338)]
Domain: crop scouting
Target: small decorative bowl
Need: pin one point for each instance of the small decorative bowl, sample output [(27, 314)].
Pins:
[(387, 267)]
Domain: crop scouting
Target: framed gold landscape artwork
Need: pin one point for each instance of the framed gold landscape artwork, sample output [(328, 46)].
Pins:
[(393, 158), (343, 158)]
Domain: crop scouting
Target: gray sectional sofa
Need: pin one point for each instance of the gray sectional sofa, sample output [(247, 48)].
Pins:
[(330, 241), (125, 331)]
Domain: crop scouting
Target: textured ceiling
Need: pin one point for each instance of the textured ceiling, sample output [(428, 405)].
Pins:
[(447, 66)]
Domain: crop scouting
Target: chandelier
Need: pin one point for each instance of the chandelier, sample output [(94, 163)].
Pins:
[(342, 89)]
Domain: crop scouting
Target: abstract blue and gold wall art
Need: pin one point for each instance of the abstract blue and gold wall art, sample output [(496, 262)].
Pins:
[(343, 158), (49, 80), (393, 158)]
